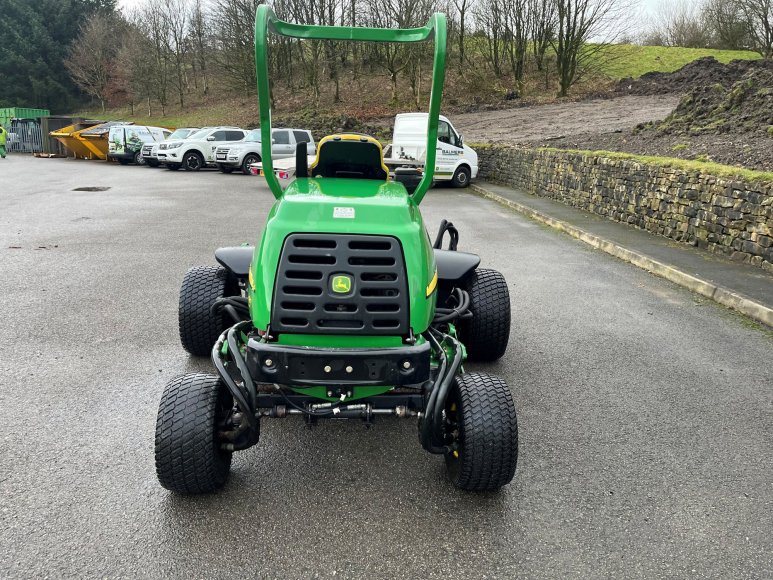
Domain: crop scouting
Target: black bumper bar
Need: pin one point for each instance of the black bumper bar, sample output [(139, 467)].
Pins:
[(298, 366)]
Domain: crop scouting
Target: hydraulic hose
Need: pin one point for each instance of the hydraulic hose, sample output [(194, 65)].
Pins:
[(427, 421), (233, 388)]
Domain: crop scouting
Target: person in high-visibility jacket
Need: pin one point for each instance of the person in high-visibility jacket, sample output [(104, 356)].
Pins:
[(3, 138)]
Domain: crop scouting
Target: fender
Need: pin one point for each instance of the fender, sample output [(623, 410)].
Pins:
[(236, 259)]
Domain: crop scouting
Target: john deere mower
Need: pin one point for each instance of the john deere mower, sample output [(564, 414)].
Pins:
[(345, 310)]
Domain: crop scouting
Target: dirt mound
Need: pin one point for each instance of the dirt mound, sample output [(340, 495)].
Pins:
[(745, 107), (703, 72)]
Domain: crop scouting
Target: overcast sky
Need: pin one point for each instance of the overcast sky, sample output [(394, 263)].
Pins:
[(646, 8)]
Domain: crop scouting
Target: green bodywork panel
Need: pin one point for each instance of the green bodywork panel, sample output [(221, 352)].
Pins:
[(373, 207), (266, 21), (380, 208)]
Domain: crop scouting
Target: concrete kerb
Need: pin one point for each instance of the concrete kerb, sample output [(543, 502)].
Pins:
[(721, 295)]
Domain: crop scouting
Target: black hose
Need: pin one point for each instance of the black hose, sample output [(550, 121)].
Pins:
[(427, 421), (234, 389), (236, 355), (440, 402), (443, 315)]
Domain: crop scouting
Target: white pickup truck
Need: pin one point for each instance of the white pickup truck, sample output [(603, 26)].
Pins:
[(454, 162), (150, 150), (248, 152), (198, 150)]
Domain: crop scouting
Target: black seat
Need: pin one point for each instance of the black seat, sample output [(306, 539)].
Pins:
[(352, 155)]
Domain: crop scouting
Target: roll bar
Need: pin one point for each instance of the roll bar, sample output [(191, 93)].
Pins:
[(266, 21)]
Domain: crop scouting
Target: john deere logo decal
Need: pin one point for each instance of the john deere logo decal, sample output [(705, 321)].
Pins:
[(341, 284)]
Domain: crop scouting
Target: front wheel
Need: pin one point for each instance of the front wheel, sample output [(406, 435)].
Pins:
[(482, 423), (138, 158), (487, 333), (461, 177), (192, 161), (199, 327), (189, 459), (249, 159)]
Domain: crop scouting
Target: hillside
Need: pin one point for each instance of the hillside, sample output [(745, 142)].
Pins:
[(365, 98)]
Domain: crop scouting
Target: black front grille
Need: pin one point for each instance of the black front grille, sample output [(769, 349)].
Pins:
[(311, 297)]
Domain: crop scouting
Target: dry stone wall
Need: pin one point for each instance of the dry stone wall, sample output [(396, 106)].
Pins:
[(724, 216)]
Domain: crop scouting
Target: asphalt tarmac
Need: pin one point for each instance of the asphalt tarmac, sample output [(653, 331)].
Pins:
[(646, 412)]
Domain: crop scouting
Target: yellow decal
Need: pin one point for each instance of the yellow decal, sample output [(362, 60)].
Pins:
[(432, 285)]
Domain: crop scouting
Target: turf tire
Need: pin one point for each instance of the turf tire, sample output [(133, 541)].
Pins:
[(201, 286), (487, 440), (188, 456), (486, 334)]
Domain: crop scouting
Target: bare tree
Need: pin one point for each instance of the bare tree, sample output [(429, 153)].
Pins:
[(726, 22), (490, 20), (578, 22), (682, 23), (758, 15), (90, 58), (462, 7), (199, 37), (542, 24), (233, 24), (517, 36)]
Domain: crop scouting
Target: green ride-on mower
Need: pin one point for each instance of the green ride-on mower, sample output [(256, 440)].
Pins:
[(345, 310)]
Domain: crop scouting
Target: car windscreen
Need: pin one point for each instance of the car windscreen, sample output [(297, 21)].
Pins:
[(253, 135), (200, 134), (180, 134)]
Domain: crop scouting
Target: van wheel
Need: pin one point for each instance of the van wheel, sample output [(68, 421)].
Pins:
[(249, 159), (461, 177), (138, 158), (193, 161)]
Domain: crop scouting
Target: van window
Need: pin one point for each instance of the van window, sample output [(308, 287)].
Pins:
[(302, 137), (281, 137), (445, 134)]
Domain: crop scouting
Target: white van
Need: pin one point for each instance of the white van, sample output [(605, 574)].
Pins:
[(454, 162)]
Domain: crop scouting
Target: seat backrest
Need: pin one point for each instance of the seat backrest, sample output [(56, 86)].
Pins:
[(350, 155)]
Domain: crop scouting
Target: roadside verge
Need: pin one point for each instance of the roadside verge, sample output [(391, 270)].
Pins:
[(678, 265)]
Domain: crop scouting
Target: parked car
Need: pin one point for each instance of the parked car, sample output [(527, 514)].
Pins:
[(125, 142), (198, 149), (150, 150), (247, 152), (455, 161)]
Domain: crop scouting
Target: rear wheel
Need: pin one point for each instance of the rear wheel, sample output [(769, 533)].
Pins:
[(486, 334), (199, 328), (192, 161), (461, 177), (481, 419), (188, 455), (138, 158), (249, 159)]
